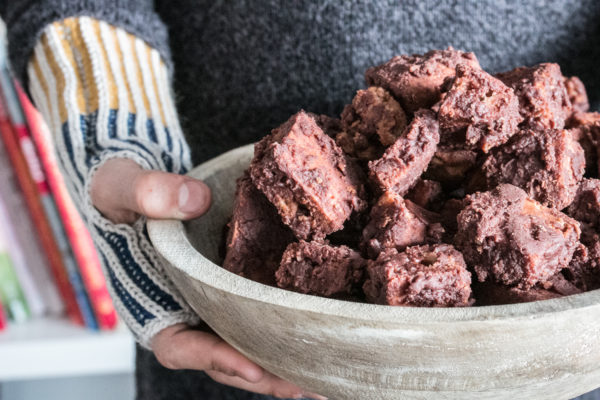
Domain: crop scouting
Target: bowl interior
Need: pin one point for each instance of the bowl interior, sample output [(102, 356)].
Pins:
[(193, 247)]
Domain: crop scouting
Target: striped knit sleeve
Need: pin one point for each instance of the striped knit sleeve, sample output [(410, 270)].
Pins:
[(106, 94)]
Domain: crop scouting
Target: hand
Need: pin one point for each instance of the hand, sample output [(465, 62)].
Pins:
[(180, 347), (122, 191)]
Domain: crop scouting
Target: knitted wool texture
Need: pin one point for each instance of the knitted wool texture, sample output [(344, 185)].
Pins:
[(106, 94), (242, 67)]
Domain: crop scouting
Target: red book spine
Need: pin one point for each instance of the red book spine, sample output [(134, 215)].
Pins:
[(77, 233), (3, 322), (38, 215)]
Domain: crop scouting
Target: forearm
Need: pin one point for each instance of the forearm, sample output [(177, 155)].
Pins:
[(106, 94)]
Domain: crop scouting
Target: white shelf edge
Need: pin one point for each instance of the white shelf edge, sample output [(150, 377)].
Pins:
[(53, 347)]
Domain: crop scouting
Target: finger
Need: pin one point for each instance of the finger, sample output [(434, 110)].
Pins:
[(122, 190), (185, 348), (269, 385)]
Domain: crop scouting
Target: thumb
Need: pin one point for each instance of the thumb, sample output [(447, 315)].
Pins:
[(121, 190)]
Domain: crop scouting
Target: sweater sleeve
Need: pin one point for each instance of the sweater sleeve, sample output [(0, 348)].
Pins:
[(26, 19), (105, 94)]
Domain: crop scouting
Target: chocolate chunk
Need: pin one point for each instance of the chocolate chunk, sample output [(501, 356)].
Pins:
[(425, 193), (584, 269), (450, 165), (436, 233), (422, 276), (415, 80), (511, 239), (256, 238), (478, 110), (404, 162), (371, 123), (583, 119), (585, 128), (359, 146), (559, 284), (314, 187), (586, 206), (543, 99), (330, 126), (547, 165), (449, 212), (320, 269), (577, 94), (397, 223)]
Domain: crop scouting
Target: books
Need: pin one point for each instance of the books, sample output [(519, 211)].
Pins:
[(11, 294), (15, 114), (48, 262), (34, 205), (33, 294), (78, 235), (24, 248)]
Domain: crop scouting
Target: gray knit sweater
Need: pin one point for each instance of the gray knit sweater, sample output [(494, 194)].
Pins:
[(242, 67)]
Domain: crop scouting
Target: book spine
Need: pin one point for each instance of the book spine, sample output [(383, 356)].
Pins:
[(38, 216), (11, 293), (77, 233), (15, 116), (23, 245), (33, 295), (3, 321)]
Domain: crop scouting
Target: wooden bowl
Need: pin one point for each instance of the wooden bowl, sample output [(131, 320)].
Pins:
[(541, 350)]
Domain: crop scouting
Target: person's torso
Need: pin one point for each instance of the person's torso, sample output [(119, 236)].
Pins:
[(243, 67)]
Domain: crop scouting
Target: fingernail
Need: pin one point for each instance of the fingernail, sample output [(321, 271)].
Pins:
[(194, 196)]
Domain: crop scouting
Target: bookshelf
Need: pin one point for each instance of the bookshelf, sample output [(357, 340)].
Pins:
[(49, 267), (53, 347)]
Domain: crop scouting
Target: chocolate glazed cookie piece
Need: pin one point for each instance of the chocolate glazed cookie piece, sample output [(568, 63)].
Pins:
[(308, 179), (404, 162), (370, 124), (421, 276), (513, 240), (396, 223), (256, 237), (415, 80), (577, 94), (585, 128), (426, 193), (570, 280), (584, 269), (478, 111), (548, 165), (451, 165), (543, 99), (330, 126), (586, 206), (320, 269)]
